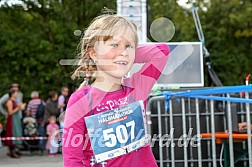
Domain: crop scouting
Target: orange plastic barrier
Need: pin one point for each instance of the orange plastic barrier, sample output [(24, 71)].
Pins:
[(224, 135)]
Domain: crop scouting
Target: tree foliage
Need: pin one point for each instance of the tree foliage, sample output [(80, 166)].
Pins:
[(36, 35), (227, 26)]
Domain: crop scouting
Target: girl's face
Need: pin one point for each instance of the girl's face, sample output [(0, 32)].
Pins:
[(115, 56), (52, 119)]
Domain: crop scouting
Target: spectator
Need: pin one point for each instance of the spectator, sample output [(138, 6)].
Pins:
[(51, 107), (243, 126), (32, 110), (52, 131), (13, 125), (5, 97), (33, 104), (61, 125), (63, 98), (30, 128)]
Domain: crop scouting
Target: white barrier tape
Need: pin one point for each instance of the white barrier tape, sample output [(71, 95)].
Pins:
[(23, 138)]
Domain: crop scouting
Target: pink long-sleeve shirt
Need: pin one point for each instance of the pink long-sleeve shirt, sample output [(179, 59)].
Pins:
[(77, 151)]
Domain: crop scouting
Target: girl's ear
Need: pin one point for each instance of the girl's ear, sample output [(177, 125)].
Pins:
[(92, 54)]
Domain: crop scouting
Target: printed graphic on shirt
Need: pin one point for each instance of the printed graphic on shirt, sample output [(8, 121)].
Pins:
[(117, 132), (111, 104)]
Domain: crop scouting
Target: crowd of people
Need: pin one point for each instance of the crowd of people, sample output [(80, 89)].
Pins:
[(36, 118)]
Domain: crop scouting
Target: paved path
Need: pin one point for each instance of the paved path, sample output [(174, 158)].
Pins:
[(29, 161)]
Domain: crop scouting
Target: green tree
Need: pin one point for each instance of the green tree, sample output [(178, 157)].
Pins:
[(36, 35), (227, 26)]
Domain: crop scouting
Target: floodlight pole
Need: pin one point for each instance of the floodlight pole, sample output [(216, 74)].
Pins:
[(212, 75)]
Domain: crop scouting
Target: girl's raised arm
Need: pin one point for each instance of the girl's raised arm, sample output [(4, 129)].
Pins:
[(154, 57)]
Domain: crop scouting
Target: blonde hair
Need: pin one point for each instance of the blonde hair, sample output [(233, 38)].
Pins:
[(102, 28)]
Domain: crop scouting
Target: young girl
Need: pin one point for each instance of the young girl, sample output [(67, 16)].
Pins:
[(52, 130), (108, 51)]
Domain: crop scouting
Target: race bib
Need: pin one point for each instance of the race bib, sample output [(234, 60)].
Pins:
[(117, 132)]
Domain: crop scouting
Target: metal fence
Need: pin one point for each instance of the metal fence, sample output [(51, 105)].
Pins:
[(184, 127)]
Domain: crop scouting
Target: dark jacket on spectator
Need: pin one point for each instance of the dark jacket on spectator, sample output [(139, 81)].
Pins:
[(51, 108)]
